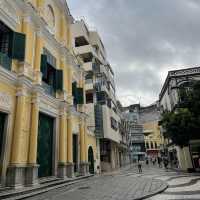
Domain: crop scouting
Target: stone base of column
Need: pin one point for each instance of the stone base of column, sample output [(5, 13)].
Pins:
[(70, 170), (31, 176), (84, 168), (16, 176), (62, 170), (88, 168)]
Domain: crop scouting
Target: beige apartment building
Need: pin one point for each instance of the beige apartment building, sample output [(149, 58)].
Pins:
[(101, 104)]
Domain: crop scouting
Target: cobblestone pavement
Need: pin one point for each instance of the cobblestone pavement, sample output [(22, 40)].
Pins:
[(128, 185), (182, 186)]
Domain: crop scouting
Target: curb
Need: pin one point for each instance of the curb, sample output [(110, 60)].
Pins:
[(158, 191), (41, 190)]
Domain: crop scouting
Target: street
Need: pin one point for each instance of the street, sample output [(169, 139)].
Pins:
[(129, 184)]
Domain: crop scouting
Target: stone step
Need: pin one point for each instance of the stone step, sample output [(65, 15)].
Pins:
[(46, 185), (48, 180)]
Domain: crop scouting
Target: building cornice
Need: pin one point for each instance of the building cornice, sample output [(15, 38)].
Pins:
[(8, 14), (8, 77), (178, 73)]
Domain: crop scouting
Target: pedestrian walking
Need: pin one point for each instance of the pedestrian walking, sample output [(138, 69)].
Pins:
[(159, 162), (166, 162), (147, 161), (140, 166)]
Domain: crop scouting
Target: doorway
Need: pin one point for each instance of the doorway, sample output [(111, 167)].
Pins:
[(45, 145), (2, 131), (75, 152), (91, 160)]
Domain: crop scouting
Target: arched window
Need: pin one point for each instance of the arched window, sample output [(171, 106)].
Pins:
[(50, 16)]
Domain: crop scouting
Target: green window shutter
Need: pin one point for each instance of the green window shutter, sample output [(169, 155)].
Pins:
[(17, 46), (5, 61), (59, 80), (74, 92), (43, 66), (80, 97), (74, 86)]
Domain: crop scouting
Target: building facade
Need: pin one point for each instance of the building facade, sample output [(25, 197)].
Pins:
[(169, 97), (136, 137), (154, 141), (43, 118), (125, 132), (101, 103)]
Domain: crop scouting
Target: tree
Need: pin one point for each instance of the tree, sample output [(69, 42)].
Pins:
[(183, 124)]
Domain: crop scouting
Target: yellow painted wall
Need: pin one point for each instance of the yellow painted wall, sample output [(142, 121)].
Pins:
[(155, 136), (35, 42), (91, 141)]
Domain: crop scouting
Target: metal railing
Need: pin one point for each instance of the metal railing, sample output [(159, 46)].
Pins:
[(48, 89)]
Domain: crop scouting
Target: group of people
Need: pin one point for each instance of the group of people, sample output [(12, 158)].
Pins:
[(153, 160)]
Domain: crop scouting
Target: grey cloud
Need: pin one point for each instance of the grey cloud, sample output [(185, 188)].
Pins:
[(145, 38)]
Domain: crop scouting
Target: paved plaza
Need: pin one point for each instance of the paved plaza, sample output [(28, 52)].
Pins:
[(129, 184)]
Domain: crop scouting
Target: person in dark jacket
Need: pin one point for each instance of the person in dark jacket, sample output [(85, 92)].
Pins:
[(139, 166)]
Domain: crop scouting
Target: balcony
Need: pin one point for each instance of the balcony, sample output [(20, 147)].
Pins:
[(48, 89), (88, 66), (5, 61), (80, 30), (104, 70), (89, 84), (85, 49), (101, 88)]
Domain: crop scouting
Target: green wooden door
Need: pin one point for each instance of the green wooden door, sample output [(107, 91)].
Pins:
[(2, 127), (45, 145), (75, 152), (91, 160)]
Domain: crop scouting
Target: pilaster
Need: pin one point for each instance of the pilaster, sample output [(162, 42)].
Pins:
[(34, 131), (27, 28), (82, 140), (62, 143), (70, 165), (38, 51), (70, 170), (32, 167), (16, 169), (18, 137), (84, 167)]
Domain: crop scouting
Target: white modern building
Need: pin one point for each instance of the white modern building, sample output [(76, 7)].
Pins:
[(136, 138), (101, 105)]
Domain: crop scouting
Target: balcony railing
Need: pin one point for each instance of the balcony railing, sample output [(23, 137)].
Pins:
[(48, 89), (5, 61)]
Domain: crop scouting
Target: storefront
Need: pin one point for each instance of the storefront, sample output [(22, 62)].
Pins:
[(195, 153)]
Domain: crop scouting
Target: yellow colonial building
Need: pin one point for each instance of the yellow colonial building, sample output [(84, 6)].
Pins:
[(154, 140), (43, 129)]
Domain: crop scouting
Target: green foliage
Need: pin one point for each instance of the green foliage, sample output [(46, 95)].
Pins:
[(183, 124)]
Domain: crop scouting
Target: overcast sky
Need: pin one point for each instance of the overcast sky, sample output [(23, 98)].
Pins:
[(144, 39)]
